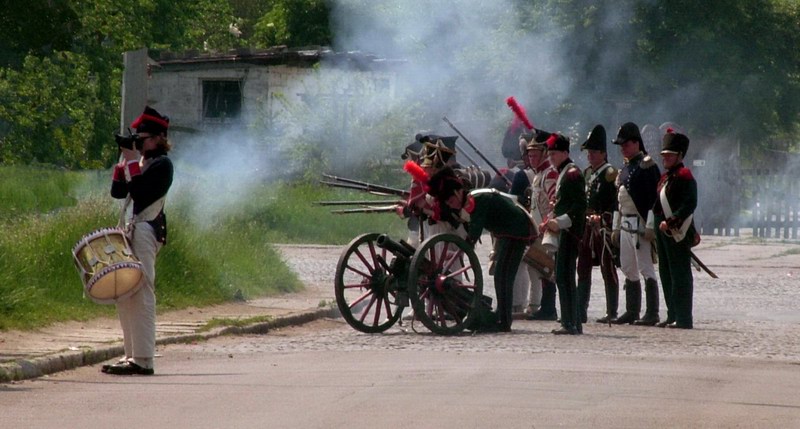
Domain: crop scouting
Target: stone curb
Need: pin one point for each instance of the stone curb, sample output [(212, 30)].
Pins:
[(25, 369)]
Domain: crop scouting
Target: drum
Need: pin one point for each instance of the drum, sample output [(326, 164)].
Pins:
[(109, 270), (541, 260)]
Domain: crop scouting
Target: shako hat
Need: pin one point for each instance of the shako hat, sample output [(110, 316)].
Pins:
[(152, 122), (674, 143), (558, 141)]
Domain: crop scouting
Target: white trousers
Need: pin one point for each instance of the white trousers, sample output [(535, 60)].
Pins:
[(535, 277), (522, 285), (635, 260), (137, 313)]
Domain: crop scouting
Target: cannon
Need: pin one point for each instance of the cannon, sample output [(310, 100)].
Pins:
[(377, 278)]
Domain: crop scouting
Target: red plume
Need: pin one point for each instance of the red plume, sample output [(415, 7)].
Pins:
[(416, 172), (519, 112), (551, 141), (670, 131)]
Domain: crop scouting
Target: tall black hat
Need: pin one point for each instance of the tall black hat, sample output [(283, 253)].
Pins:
[(596, 139), (414, 149), (629, 131), (675, 143)]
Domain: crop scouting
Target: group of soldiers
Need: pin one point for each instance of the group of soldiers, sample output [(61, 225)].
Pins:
[(551, 222)]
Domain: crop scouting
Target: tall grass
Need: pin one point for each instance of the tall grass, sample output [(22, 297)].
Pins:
[(25, 190), (229, 255)]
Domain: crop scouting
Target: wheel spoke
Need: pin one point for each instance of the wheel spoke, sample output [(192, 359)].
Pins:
[(364, 260), (367, 308), (356, 285), (456, 256), (360, 298), (359, 272), (443, 256), (458, 272)]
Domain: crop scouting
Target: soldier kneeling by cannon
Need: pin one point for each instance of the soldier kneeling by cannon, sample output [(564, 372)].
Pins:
[(501, 215)]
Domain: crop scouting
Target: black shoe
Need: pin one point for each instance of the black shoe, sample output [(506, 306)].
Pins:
[(676, 325), (606, 319), (664, 323), (105, 367), (625, 319), (127, 368), (647, 320), (543, 315), (565, 331)]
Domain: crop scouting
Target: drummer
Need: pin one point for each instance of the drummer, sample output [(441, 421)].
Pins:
[(144, 175)]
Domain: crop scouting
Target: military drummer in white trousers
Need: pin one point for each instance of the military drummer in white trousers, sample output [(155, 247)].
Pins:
[(144, 175)]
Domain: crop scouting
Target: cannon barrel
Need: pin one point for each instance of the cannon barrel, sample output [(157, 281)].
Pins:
[(399, 248)]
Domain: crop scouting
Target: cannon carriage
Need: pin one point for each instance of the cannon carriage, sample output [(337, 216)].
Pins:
[(377, 278)]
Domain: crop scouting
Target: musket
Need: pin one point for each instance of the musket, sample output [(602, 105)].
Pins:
[(489, 163), (699, 263), (353, 203), (469, 158), (381, 209), (370, 186)]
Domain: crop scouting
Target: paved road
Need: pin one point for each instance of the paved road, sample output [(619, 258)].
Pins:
[(740, 367)]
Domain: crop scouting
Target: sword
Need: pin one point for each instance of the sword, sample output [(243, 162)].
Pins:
[(698, 263)]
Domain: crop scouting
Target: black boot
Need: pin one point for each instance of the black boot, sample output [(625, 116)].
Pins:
[(584, 289), (547, 309), (612, 303), (650, 317), (633, 303)]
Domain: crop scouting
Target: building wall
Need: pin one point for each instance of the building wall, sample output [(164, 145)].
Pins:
[(266, 90)]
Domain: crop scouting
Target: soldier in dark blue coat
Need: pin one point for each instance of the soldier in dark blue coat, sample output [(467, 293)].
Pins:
[(633, 226), (144, 176)]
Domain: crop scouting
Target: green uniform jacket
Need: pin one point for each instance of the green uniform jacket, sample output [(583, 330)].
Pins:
[(601, 190), (570, 208), (499, 214)]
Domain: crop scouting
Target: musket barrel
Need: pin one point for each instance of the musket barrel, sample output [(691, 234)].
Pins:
[(507, 180)]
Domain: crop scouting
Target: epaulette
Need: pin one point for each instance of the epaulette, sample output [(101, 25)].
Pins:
[(611, 174), (647, 162), (684, 174), (574, 172)]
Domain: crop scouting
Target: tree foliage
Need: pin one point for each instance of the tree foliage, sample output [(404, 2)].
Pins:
[(728, 66)]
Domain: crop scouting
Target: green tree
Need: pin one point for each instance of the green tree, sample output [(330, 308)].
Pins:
[(294, 23)]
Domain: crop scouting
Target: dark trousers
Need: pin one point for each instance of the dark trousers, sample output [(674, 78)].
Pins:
[(508, 256), (566, 265), (675, 270)]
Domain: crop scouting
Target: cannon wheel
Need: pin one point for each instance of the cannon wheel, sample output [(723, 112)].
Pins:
[(366, 292), (445, 288)]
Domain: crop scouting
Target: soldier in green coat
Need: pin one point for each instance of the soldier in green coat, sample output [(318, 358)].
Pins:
[(500, 214), (596, 248), (567, 219), (674, 210)]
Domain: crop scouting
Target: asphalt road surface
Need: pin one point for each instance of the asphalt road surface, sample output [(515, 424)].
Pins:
[(739, 367)]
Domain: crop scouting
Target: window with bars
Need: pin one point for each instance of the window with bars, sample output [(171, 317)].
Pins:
[(222, 99)]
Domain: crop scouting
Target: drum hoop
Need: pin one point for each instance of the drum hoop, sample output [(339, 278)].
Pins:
[(110, 269), (96, 234)]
